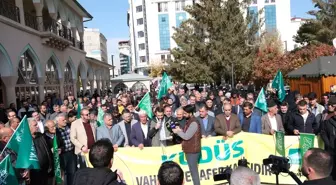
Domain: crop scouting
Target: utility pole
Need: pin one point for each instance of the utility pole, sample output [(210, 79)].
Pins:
[(112, 66)]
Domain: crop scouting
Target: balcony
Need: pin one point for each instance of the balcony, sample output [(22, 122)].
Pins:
[(53, 33), (9, 10)]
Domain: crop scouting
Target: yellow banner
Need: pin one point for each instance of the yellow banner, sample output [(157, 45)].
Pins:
[(140, 167)]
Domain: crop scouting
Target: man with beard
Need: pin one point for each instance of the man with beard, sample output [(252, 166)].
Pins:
[(316, 166), (159, 132), (191, 144), (25, 110), (328, 133)]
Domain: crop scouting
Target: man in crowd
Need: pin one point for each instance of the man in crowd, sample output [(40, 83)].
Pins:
[(159, 132), (302, 121), (25, 110), (40, 124), (325, 100), (207, 122), (244, 176), (250, 121), (139, 134), (83, 136), (271, 121), (101, 158), (227, 124), (285, 116), (44, 175), (329, 112), (68, 159), (131, 109), (170, 173), (14, 123), (56, 112), (44, 115), (179, 117), (113, 133), (191, 144), (126, 127), (93, 115), (64, 109), (315, 107), (316, 167), (10, 115), (328, 134)]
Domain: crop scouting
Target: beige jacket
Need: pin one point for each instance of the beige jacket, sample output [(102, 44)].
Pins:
[(78, 135)]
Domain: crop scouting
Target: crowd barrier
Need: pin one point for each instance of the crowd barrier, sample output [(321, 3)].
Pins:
[(140, 167)]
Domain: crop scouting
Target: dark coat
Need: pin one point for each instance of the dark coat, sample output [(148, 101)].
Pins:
[(297, 123), (328, 135), (96, 176), (138, 137), (210, 130), (324, 181), (286, 119)]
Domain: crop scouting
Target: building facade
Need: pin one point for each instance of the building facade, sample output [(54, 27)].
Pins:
[(42, 50), (95, 44), (151, 24), (125, 57)]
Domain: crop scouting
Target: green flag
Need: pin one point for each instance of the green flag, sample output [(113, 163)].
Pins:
[(280, 143), (306, 142), (279, 84), (100, 119), (165, 84), (57, 168), (79, 108), (7, 173), (146, 105), (22, 143), (261, 101)]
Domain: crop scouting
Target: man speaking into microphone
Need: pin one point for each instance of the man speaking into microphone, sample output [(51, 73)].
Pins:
[(191, 144)]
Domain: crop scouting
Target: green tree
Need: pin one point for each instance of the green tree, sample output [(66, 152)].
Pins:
[(214, 38), (321, 29)]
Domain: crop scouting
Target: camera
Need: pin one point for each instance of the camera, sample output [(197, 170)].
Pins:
[(279, 164), (226, 174)]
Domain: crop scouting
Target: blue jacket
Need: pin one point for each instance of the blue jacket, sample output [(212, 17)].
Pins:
[(255, 124), (138, 137)]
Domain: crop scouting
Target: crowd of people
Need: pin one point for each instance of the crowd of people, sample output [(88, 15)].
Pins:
[(181, 117)]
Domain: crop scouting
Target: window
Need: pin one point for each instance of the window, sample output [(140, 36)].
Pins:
[(272, 1), (141, 34), (142, 59), (254, 1), (164, 31), (142, 46), (140, 21), (179, 5), (168, 57), (139, 9), (266, 1), (270, 18), (163, 58), (163, 7)]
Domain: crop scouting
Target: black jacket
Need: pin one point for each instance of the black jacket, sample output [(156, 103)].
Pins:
[(328, 134), (96, 176), (324, 181), (297, 123), (44, 154), (286, 119)]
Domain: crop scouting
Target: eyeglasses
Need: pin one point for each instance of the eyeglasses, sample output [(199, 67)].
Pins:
[(85, 114), (331, 105)]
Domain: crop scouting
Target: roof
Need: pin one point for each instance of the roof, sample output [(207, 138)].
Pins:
[(321, 66), (98, 62), (131, 77), (83, 9)]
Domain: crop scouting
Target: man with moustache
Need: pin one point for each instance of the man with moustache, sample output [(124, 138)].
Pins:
[(227, 124)]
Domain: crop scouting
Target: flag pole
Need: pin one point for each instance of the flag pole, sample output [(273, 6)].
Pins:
[(12, 135)]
